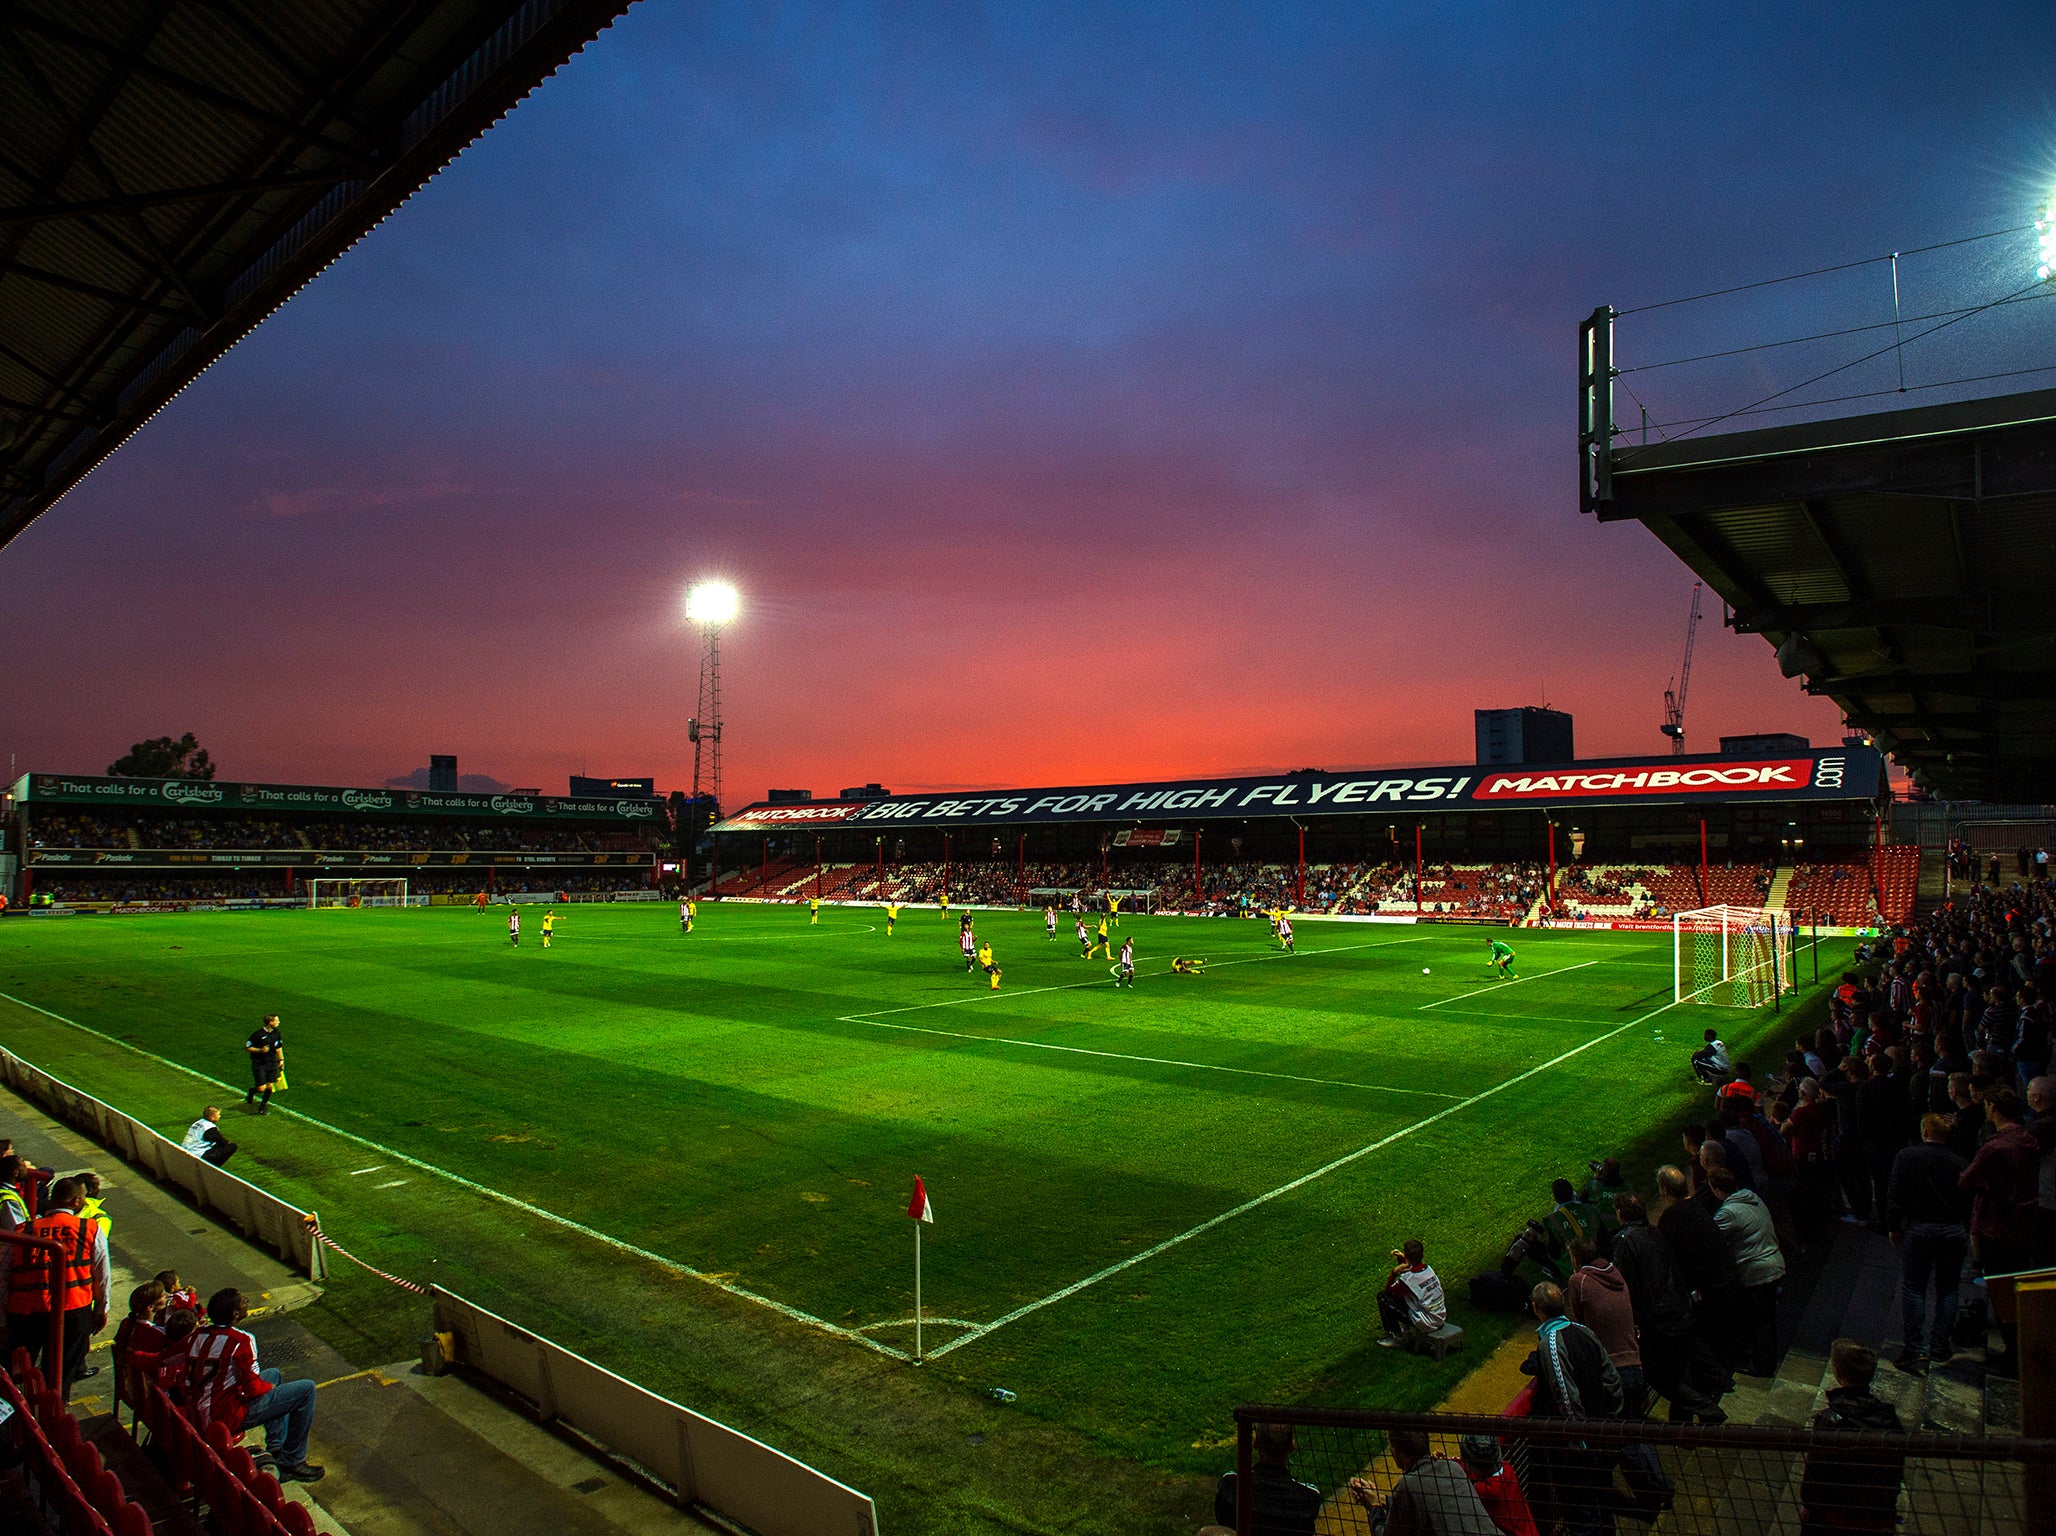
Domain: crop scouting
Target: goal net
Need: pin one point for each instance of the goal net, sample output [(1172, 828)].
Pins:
[(382, 891), (1729, 957)]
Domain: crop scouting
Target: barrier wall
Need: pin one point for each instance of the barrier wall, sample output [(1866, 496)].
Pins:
[(261, 1216), (705, 1463)]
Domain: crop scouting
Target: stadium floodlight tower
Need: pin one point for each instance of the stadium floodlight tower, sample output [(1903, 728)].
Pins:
[(711, 606)]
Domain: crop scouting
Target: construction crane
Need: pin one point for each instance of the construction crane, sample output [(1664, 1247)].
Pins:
[(1674, 698)]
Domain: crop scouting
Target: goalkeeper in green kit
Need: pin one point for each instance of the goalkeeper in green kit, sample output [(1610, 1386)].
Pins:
[(1502, 958)]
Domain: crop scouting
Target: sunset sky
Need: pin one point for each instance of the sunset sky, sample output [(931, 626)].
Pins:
[(1075, 393)]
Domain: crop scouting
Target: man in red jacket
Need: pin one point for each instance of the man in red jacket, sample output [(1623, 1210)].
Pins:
[(2004, 1181), (213, 1375)]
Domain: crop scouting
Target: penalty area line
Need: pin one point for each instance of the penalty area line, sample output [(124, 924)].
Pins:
[(1284, 1189), (658, 1259), (1501, 986)]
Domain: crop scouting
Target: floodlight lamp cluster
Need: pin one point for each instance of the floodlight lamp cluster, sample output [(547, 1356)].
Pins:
[(2045, 241), (712, 603)]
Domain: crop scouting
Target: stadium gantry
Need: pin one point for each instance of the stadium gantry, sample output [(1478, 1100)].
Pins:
[(173, 174)]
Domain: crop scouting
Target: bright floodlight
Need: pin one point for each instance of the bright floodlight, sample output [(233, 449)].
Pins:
[(2045, 242), (712, 602)]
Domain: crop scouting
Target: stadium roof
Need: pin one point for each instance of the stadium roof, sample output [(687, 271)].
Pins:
[(171, 173), (1901, 562)]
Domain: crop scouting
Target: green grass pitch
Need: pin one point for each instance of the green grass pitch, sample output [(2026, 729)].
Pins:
[(1150, 1204)]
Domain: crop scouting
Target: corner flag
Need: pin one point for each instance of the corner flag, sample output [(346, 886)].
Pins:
[(920, 1208)]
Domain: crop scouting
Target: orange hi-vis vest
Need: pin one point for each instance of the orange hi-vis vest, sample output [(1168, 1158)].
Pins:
[(28, 1280)]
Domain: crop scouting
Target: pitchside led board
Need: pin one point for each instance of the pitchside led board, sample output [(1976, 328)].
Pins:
[(1845, 773)]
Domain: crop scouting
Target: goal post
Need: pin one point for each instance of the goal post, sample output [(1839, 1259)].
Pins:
[(374, 891), (1730, 957)]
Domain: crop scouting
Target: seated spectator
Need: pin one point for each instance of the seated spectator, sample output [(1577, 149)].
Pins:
[(177, 1293), (1433, 1496), (204, 1139), (1710, 1062), (1496, 1485), (1597, 1296), (1745, 1221), (1283, 1505), (1411, 1305), (1850, 1490), (213, 1374), (138, 1342)]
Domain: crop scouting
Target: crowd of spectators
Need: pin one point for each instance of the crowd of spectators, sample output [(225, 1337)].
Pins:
[(1923, 1108), (129, 829)]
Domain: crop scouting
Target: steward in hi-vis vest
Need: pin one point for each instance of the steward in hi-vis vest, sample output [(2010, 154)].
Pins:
[(81, 1274)]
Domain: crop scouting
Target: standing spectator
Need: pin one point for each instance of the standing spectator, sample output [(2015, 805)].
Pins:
[(1813, 1197), (14, 1205), (2005, 1181), (1411, 1305), (2041, 1124), (1572, 1218), (1496, 1485), (1881, 1128), (1849, 1490), (1705, 1263), (82, 1279), (204, 1139), (1574, 1379), (2031, 1038), (267, 1048), (1673, 1361), (1598, 1297), (1847, 1142), (1745, 1222), (1926, 1216)]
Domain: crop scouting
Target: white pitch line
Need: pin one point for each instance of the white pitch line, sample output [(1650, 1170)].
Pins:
[(490, 1193), (1501, 986), (1158, 1061), (1284, 1189), (355, 1173)]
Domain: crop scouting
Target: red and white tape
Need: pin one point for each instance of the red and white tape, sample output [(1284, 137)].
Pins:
[(314, 1230)]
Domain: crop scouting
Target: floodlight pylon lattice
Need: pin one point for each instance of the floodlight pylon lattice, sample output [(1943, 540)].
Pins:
[(1729, 956), (705, 725)]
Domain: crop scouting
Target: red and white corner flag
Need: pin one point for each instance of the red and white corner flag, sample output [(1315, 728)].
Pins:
[(920, 1208)]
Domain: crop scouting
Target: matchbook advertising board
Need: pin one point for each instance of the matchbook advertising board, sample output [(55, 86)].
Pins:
[(1847, 773)]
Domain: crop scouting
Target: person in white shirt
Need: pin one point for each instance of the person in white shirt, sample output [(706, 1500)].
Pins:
[(1411, 1305), (204, 1139)]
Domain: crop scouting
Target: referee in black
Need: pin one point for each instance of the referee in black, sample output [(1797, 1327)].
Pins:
[(267, 1049)]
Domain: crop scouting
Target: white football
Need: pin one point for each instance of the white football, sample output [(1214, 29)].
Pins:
[(1424, 970)]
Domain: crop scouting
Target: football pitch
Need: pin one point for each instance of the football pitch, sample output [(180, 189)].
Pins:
[(691, 1156)]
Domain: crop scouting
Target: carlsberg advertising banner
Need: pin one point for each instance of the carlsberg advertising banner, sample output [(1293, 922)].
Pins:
[(222, 795), (1846, 773)]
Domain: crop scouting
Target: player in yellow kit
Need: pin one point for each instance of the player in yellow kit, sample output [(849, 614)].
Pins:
[(549, 928), (1114, 909), (813, 910), (1101, 940), (688, 909), (892, 915), (985, 961)]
